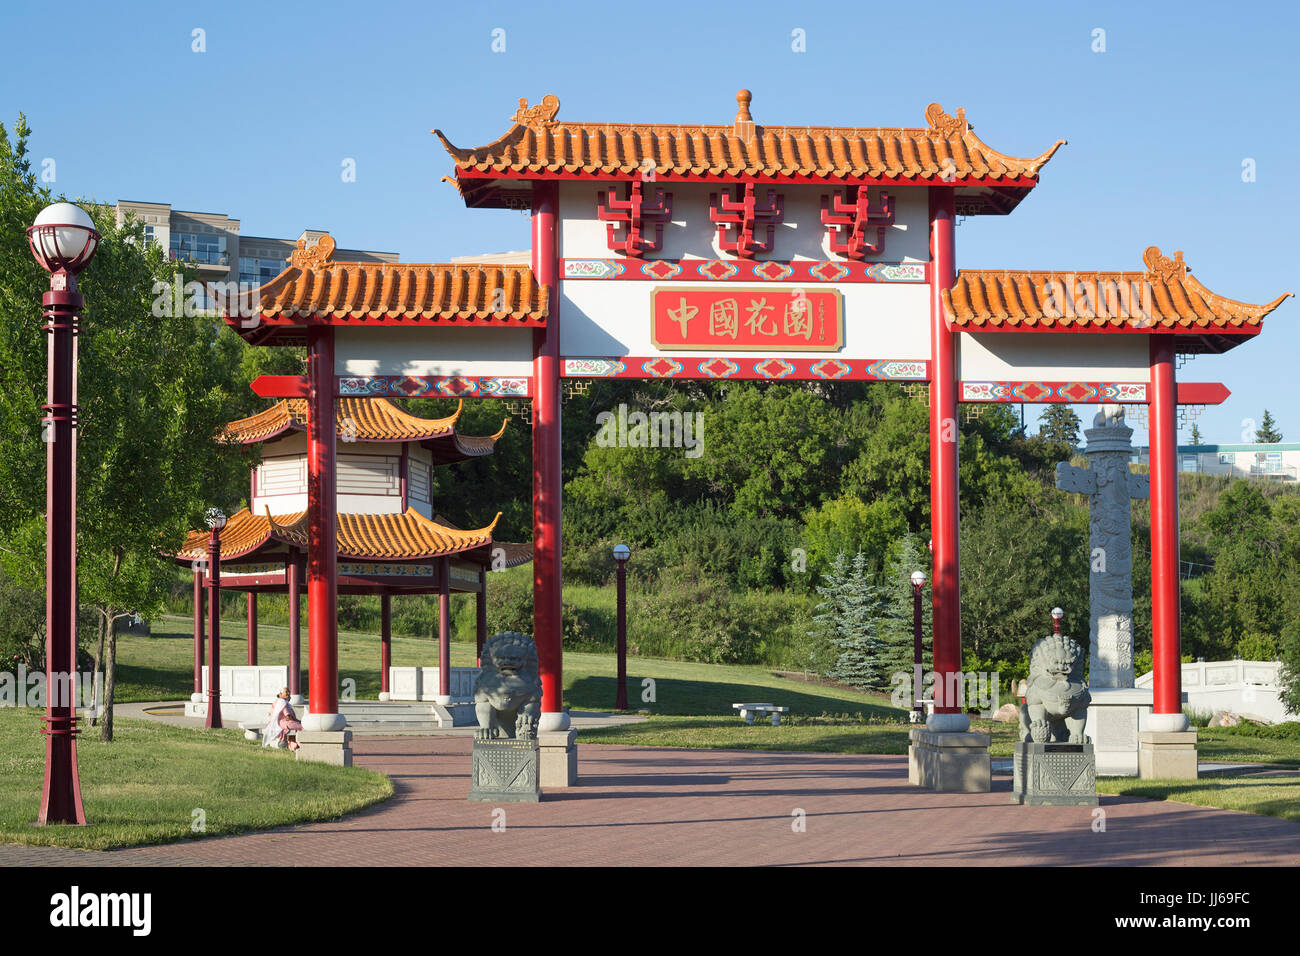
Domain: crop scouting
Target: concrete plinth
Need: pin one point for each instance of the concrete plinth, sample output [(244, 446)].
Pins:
[(951, 762), (505, 771), (1167, 755), (1054, 775), (558, 755), (1115, 718), (325, 746)]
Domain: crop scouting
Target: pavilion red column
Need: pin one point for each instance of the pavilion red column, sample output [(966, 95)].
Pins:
[(1165, 624), (385, 640), (322, 538), (480, 616), (547, 487), (946, 590), (293, 574), (198, 630), (252, 628), (444, 631)]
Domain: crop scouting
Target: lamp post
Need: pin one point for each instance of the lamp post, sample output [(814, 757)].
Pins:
[(216, 519), (918, 582), (63, 240), (621, 553)]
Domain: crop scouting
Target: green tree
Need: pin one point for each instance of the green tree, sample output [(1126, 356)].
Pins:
[(1196, 434), (153, 391), (1060, 424), (846, 618), (894, 622), (1267, 432)]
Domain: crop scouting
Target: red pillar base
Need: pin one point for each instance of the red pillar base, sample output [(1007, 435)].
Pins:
[(61, 793)]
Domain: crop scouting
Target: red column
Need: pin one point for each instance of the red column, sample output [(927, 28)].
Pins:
[(252, 628), (61, 793), (1165, 636), (480, 616), (198, 630), (444, 629), (293, 574), (214, 629), (385, 640), (322, 538), (546, 459), (945, 591)]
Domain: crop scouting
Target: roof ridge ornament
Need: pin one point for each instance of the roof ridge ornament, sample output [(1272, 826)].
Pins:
[(316, 256), (743, 126), (540, 117), (943, 124), (1162, 267)]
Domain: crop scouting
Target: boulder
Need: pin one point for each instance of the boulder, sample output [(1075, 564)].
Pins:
[(1224, 719), (1007, 714)]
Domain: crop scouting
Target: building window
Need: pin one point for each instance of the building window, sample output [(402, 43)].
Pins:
[(1227, 458), (1190, 463), (204, 249), (257, 271)]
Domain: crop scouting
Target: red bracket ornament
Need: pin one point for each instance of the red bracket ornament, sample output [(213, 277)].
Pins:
[(858, 215), (745, 215), (634, 213)]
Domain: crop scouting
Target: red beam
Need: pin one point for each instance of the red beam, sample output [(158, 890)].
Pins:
[(280, 386), (1202, 393)]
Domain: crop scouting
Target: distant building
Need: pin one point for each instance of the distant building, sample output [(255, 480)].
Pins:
[(1278, 461), (211, 241)]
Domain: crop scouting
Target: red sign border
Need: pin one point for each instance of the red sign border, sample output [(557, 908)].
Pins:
[(760, 347)]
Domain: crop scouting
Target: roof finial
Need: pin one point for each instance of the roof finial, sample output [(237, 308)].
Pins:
[(307, 257), (743, 127)]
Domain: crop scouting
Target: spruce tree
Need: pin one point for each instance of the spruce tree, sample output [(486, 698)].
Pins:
[(1267, 432), (894, 623), (847, 617)]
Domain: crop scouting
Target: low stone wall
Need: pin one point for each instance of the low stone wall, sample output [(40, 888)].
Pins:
[(1249, 688), (421, 683)]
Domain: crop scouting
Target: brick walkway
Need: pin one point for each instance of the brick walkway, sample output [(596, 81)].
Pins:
[(651, 806)]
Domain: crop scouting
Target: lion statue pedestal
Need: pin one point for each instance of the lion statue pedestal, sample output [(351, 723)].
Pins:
[(508, 704), (1054, 762)]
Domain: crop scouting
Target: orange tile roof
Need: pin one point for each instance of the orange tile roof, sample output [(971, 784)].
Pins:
[(539, 146), (371, 420), (315, 286), (404, 536), (1166, 297)]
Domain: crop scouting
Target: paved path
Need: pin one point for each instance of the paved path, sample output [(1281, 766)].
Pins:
[(651, 806)]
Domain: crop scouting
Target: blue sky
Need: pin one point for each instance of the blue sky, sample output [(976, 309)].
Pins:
[(259, 125)]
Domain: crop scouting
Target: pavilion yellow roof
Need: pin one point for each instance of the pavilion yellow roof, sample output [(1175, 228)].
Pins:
[(364, 420), (539, 146), (314, 289), (1164, 298), (387, 537)]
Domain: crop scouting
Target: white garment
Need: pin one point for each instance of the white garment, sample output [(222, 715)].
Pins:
[(271, 732)]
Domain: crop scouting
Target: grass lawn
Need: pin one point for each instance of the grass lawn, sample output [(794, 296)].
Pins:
[(146, 786), (1270, 796), (161, 667)]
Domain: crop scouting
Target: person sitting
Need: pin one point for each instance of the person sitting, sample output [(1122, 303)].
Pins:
[(282, 724)]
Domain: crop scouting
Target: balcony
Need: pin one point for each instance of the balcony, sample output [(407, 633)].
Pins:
[(1278, 472)]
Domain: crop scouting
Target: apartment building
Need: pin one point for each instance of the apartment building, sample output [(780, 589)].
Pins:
[(212, 242)]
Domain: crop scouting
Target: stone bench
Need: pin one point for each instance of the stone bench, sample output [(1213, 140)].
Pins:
[(747, 711)]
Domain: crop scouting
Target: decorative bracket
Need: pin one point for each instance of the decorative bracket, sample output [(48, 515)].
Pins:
[(634, 214), (745, 214), (858, 215)]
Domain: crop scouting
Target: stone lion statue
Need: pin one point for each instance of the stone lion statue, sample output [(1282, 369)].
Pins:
[(508, 692), (1057, 698)]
